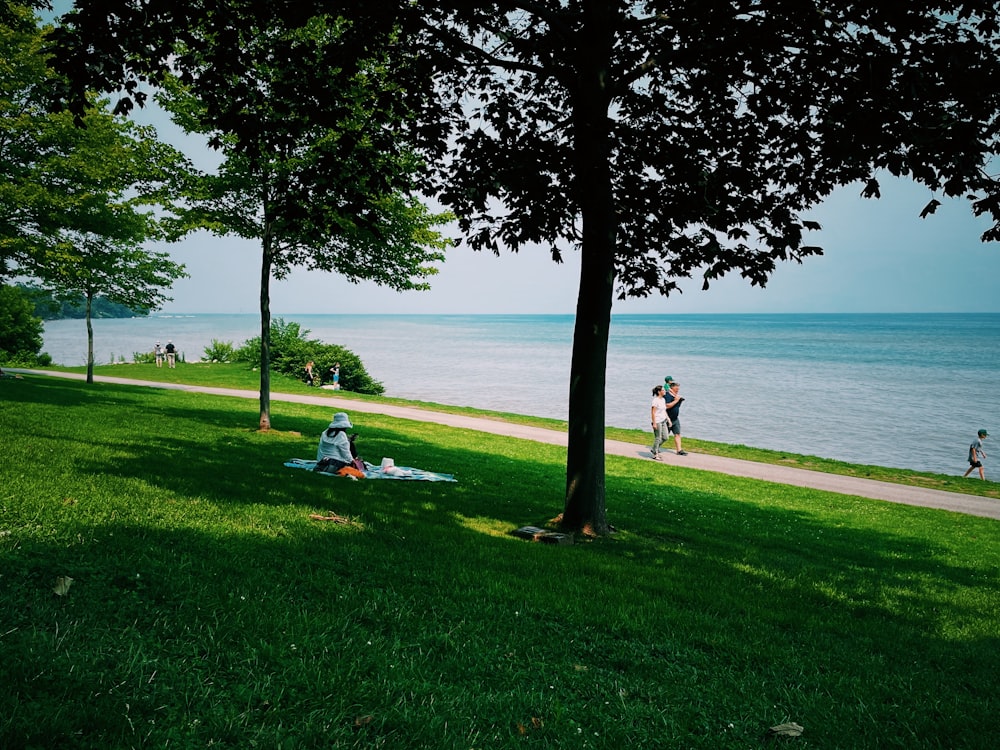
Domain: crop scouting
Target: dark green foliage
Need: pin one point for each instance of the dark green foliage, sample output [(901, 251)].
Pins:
[(291, 350), (20, 329)]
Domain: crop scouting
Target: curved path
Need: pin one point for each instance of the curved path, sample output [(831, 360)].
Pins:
[(844, 485)]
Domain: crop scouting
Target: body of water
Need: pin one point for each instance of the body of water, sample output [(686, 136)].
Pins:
[(902, 390)]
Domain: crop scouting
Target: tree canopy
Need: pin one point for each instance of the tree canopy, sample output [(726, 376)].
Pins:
[(28, 203), (664, 140)]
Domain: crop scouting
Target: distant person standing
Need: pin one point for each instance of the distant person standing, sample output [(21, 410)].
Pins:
[(171, 354), (674, 401), (659, 421), (977, 454), (310, 376), (158, 354), (335, 370)]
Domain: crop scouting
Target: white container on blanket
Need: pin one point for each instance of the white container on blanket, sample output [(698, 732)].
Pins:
[(388, 463)]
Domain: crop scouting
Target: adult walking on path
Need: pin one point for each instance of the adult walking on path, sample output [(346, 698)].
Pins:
[(845, 485), (659, 420), (674, 401)]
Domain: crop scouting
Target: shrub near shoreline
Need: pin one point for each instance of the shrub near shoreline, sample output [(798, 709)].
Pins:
[(166, 587), (291, 350)]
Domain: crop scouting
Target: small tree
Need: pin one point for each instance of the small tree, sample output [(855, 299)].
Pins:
[(117, 269), (109, 172), (75, 201), (313, 167)]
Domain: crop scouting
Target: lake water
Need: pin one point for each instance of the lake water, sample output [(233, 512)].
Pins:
[(903, 390)]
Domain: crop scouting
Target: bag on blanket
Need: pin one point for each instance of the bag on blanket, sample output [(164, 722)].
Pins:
[(329, 465), (333, 466)]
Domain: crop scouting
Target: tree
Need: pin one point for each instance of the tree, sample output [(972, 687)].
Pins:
[(101, 182), (665, 140), (314, 172), (75, 202), (20, 329), (118, 269)]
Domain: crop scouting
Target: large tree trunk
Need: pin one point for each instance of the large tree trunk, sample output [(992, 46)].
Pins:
[(265, 333), (90, 339), (585, 508)]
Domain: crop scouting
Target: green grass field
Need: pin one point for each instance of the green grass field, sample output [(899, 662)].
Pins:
[(207, 609), (238, 376)]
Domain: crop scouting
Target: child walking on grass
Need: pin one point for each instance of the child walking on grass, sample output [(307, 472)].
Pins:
[(977, 454)]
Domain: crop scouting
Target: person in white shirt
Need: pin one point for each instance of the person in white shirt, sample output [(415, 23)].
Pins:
[(659, 420), (336, 448)]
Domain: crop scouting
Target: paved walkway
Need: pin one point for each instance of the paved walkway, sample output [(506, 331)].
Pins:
[(844, 485)]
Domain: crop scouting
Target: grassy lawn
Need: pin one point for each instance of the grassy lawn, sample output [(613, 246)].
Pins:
[(238, 376), (207, 609)]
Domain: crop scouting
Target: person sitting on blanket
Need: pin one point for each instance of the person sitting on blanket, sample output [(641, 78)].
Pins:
[(336, 448)]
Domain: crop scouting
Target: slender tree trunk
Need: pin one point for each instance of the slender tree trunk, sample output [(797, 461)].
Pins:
[(585, 508), (90, 338), (265, 331)]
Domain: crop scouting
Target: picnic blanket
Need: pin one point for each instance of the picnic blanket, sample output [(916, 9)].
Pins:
[(376, 472)]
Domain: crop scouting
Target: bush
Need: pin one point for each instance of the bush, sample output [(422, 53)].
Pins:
[(20, 329), (221, 351), (291, 350)]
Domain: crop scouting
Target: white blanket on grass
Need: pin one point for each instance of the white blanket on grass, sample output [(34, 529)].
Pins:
[(377, 472)]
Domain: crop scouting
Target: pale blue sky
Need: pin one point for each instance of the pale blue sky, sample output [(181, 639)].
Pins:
[(880, 257)]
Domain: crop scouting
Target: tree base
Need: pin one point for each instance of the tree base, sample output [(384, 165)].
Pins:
[(587, 529)]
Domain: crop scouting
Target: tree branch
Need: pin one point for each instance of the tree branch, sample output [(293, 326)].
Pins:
[(453, 40)]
